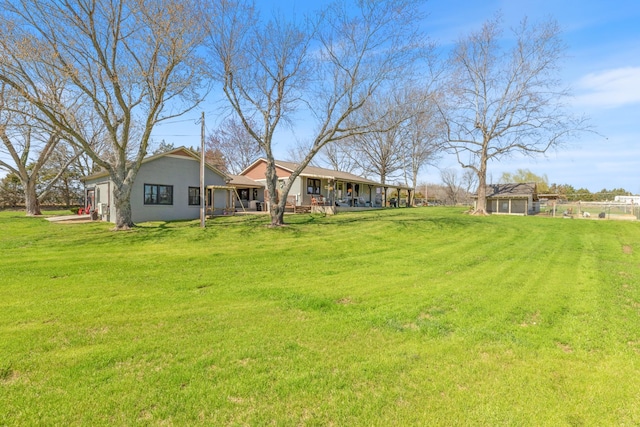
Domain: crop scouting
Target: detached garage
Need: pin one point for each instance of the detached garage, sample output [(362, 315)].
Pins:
[(513, 199)]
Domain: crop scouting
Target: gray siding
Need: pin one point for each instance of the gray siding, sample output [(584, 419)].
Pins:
[(181, 173), (177, 171), (103, 195)]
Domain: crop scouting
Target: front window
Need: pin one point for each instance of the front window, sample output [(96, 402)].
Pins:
[(313, 186), (194, 196), (155, 194)]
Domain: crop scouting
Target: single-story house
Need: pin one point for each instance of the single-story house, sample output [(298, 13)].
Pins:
[(512, 199), (316, 186), (166, 188)]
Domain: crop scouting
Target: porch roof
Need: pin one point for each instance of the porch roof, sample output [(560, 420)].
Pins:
[(242, 181), (318, 172)]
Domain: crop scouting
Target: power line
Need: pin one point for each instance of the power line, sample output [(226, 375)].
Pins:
[(169, 122), (167, 135)]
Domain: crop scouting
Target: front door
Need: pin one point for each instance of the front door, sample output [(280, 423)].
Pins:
[(90, 200)]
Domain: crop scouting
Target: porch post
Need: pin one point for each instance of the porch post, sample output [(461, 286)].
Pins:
[(353, 191), (206, 200), (332, 189)]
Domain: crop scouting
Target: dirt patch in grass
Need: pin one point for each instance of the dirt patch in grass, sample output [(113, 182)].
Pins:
[(564, 347), (8, 375), (532, 319), (626, 249)]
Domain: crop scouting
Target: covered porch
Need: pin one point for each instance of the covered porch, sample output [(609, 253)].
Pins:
[(330, 195), (216, 192), (249, 194), (508, 206)]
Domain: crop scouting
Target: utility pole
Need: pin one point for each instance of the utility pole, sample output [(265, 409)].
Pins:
[(202, 189)]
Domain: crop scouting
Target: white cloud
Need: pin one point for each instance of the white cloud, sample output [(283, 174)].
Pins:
[(610, 89)]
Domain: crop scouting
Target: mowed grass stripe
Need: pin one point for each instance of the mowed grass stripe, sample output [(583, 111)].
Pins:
[(398, 317)]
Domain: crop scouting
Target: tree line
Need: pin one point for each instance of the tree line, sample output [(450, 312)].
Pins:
[(93, 78)]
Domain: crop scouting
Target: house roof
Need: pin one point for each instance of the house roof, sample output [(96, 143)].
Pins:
[(243, 181), (318, 172), (325, 173), (512, 190), (177, 152)]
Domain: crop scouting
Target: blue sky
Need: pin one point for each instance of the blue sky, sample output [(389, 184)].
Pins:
[(602, 69)]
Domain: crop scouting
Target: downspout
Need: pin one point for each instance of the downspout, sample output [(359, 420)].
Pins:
[(108, 200)]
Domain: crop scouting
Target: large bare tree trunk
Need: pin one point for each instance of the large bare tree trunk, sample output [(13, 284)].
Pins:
[(32, 204), (122, 202), (481, 204), (277, 216), (276, 207)]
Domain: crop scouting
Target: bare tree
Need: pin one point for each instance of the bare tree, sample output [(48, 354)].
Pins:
[(28, 145), (236, 146), (337, 156), (452, 185), (505, 97), (469, 184), (406, 136), (382, 149), (269, 73), (432, 192), (59, 180), (422, 134), (124, 65), (215, 159), (296, 153)]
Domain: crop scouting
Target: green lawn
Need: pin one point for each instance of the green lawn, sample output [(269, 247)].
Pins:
[(419, 316)]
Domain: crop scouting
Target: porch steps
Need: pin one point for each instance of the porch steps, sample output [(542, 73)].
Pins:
[(302, 209)]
